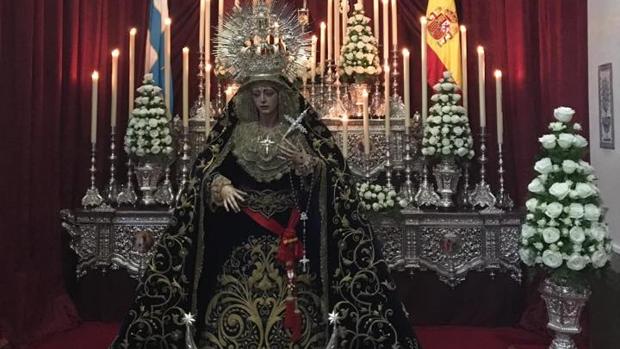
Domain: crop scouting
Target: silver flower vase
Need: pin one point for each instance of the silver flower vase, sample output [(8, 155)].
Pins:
[(148, 174), (564, 305), (447, 174)]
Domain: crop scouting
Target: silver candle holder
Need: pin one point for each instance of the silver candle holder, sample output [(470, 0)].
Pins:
[(92, 198), (395, 75), (407, 189), (111, 192), (504, 201), (128, 195), (482, 196), (185, 160), (426, 195), (164, 194), (388, 160)]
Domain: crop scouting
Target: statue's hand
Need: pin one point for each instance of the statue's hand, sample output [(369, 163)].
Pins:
[(302, 162), (230, 195)]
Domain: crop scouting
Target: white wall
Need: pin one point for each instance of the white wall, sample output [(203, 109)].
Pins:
[(604, 47)]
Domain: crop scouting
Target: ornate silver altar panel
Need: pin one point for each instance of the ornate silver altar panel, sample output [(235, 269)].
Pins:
[(105, 238), (451, 244)]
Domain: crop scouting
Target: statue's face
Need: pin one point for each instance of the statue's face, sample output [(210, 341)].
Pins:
[(265, 99)]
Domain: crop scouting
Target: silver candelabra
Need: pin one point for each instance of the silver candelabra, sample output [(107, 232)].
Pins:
[(482, 195), (504, 201), (111, 191), (92, 198), (128, 195)]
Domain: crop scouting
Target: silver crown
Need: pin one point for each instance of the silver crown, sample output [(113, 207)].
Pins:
[(263, 40)]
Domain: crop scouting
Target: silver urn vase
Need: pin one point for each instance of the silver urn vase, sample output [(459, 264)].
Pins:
[(357, 91), (148, 174), (447, 174), (564, 305)]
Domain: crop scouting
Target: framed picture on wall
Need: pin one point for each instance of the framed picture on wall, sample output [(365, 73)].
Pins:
[(606, 106)]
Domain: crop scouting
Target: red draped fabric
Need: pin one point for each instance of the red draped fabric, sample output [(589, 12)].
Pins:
[(49, 49)]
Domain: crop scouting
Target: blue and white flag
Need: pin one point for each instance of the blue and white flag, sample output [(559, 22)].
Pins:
[(156, 44)]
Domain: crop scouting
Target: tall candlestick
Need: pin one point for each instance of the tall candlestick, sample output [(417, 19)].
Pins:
[(336, 32), (93, 108), (330, 29), (386, 32), (185, 87), (208, 100), (375, 18), (167, 63), (498, 105), (207, 28), (322, 65), (481, 93), (464, 66), (394, 25), (424, 68), (406, 90), (313, 59), (201, 32), (132, 66), (366, 121), (386, 91), (220, 15), (345, 136), (114, 83), (345, 20)]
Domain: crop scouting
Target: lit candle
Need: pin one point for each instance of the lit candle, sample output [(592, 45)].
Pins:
[(207, 35), (185, 87), (93, 110), (167, 65), (386, 32), (375, 18), (220, 15), (208, 101), (483, 121), (500, 112), (424, 68), (386, 87), (464, 65), (132, 66), (345, 136), (365, 120), (394, 25), (336, 32), (313, 59), (201, 32), (330, 28), (406, 91), (114, 79), (322, 65)]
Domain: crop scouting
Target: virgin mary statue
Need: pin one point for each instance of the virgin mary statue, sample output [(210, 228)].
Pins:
[(269, 248)]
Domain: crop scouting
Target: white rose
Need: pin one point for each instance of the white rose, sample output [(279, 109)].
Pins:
[(566, 140), (577, 127), (359, 70), (348, 70), (554, 210), (599, 258), (575, 211), (536, 186), (599, 231), (563, 114), (560, 190), (444, 131), (592, 212), (462, 152), (434, 130), (531, 204), (458, 130), (445, 150), (371, 70), (455, 119), (444, 98), (551, 235), (576, 262), (586, 168), (552, 259), (579, 141), (527, 256), (430, 151), (556, 126), (433, 140), (527, 231), (584, 190), (153, 122), (375, 206), (435, 98), (459, 142), (569, 166), (577, 235), (544, 166), (548, 141)]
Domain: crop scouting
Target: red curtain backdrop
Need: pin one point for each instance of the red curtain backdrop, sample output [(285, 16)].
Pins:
[(49, 49)]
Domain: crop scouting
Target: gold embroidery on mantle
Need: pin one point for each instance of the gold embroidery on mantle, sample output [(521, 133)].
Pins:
[(268, 202), (248, 307)]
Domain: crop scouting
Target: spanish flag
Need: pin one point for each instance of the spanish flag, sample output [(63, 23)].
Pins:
[(443, 40)]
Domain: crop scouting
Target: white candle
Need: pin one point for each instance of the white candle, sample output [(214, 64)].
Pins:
[(201, 32), (207, 92), (336, 32), (498, 104), (322, 65), (167, 64), (386, 91), (330, 29), (220, 15), (132, 66), (386, 32), (394, 25), (424, 69), (207, 100), (464, 66), (114, 83), (93, 108), (483, 121), (185, 87), (207, 35), (345, 19), (365, 120), (406, 90), (313, 59), (345, 136), (375, 18)]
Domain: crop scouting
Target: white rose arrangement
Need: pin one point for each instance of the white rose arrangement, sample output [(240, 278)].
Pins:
[(564, 230), (375, 197), (148, 131), (359, 56), (446, 130)]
